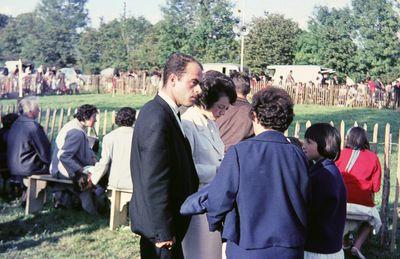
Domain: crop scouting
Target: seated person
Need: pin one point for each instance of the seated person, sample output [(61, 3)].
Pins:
[(116, 153), (28, 149), (7, 121), (72, 154), (361, 171)]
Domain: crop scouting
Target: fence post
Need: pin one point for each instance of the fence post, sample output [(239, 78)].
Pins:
[(386, 187), (39, 119), (69, 114), (105, 123), (296, 130), (308, 124), (342, 134), (46, 123), (355, 124), (396, 201), (61, 120), (97, 124), (112, 120), (332, 124), (53, 124), (375, 138)]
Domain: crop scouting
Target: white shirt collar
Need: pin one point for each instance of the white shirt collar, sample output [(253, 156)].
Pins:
[(170, 102)]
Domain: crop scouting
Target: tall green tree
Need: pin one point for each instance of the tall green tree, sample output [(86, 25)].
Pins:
[(272, 40), (199, 28), (377, 29), (61, 20), (329, 40)]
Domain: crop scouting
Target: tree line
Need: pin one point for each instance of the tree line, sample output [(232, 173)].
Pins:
[(359, 40)]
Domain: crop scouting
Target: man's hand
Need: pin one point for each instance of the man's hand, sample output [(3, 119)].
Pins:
[(165, 244)]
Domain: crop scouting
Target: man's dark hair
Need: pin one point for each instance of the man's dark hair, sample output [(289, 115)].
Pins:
[(176, 64), (125, 117), (357, 139), (213, 86), (327, 138), (273, 107), (241, 82), (85, 111), (8, 120)]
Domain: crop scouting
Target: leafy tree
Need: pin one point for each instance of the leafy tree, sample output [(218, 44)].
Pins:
[(199, 28), (89, 51), (60, 21), (329, 40), (271, 40), (377, 26)]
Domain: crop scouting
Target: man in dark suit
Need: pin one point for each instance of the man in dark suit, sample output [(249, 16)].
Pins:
[(162, 167)]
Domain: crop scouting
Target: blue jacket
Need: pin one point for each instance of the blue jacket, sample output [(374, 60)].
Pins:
[(260, 194), (327, 214)]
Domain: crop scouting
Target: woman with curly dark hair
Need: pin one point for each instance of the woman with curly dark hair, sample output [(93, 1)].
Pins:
[(259, 196), (218, 92), (116, 154), (72, 153)]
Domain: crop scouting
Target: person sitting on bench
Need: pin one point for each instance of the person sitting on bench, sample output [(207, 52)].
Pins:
[(28, 149), (71, 155), (116, 154)]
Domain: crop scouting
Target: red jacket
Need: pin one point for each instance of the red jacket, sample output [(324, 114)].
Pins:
[(364, 178)]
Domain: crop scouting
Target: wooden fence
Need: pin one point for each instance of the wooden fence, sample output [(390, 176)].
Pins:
[(89, 83), (334, 95), (53, 120)]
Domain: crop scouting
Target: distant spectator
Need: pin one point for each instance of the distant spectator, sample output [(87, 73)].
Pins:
[(396, 92), (28, 149), (72, 154), (371, 86), (290, 79), (116, 154), (236, 125)]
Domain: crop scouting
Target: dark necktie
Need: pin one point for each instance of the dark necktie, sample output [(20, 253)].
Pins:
[(179, 116)]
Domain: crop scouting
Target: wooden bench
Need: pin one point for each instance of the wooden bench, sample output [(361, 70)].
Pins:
[(36, 195), (119, 209)]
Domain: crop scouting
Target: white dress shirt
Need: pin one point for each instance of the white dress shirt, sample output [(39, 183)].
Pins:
[(115, 159), (173, 107)]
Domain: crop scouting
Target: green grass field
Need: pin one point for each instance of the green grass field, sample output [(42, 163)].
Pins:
[(74, 234)]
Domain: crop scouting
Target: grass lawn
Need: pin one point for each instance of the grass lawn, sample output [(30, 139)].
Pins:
[(74, 234)]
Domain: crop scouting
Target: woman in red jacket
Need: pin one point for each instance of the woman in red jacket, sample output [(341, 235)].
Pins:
[(361, 171)]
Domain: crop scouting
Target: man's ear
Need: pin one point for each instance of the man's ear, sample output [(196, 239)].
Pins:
[(173, 79)]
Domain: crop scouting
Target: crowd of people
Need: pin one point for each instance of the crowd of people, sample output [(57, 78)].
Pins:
[(219, 181), (41, 81)]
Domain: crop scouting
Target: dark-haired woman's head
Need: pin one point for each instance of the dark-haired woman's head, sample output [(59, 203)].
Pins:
[(125, 117), (357, 139), (217, 92), (322, 140), (86, 114), (273, 108)]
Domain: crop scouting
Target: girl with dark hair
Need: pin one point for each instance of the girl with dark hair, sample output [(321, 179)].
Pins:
[(327, 213), (361, 172)]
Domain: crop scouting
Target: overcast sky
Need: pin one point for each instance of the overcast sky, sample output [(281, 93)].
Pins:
[(298, 10)]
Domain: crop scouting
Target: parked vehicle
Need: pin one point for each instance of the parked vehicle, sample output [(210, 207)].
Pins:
[(300, 73), (225, 68)]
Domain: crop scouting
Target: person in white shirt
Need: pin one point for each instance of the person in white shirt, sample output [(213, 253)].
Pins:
[(116, 154)]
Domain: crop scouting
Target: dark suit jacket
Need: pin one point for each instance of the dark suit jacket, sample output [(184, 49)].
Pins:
[(28, 149), (261, 193), (163, 173)]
